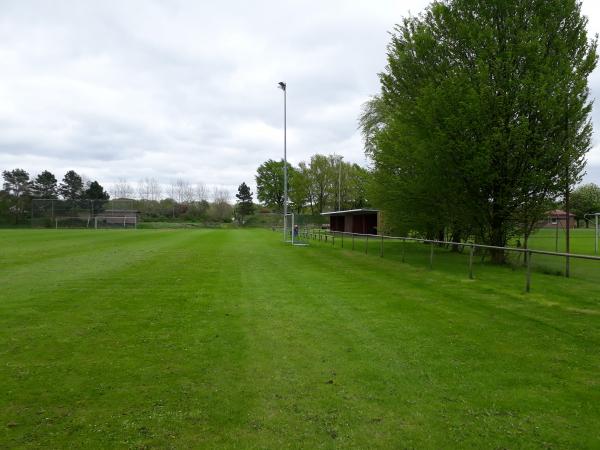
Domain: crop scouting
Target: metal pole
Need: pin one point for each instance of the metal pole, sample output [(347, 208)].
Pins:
[(568, 233), (528, 282), (352, 241), (381, 250), (556, 238), (367, 245), (342, 239), (567, 195), (403, 245), (340, 184), (596, 239), (471, 262), (283, 86), (431, 257)]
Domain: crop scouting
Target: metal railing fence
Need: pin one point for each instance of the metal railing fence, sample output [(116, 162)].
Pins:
[(330, 236)]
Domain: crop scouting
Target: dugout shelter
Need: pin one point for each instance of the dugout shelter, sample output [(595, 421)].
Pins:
[(362, 221)]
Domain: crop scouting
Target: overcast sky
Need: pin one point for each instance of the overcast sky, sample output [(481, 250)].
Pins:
[(169, 89)]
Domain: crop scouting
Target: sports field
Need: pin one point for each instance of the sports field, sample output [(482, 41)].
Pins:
[(228, 338)]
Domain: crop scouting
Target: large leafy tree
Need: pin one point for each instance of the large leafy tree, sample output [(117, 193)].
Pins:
[(322, 179), (71, 187), (299, 188), (316, 185), (585, 200), (483, 116), (269, 183), (45, 186), (244, 206), (355, 184), (17, 188)]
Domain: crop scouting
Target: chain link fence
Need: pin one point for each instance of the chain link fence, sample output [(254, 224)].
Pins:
[(51, 213)]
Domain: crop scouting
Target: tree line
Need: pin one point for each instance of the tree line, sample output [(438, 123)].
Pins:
[(325, 182), (180, 200), (187, 200), (18, 190)]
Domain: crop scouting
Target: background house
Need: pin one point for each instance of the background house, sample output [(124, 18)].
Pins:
[(558, 218)]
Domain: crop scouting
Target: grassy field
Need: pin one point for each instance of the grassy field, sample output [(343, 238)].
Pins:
[(230, 339), (582, 240)]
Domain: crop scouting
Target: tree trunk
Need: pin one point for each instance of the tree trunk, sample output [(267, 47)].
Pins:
[(455, 238), (441, 236), (525, 246), (498, 239)]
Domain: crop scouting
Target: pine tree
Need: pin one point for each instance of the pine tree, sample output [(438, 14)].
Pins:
[(98, 196), (71, 187), (244, 206), (17, 187), (95, 191), (45, 186)]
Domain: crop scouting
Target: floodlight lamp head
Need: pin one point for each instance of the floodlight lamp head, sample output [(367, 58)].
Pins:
[(282, 85)]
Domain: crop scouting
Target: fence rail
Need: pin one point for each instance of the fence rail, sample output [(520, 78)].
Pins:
[(328, 235)]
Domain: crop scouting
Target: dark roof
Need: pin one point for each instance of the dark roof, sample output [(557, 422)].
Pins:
[(121, 210), (351, 212), (559, 213)]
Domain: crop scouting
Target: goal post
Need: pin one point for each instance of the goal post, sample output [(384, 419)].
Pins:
[(72, 222), (82, 213), (115, 222), (288, 225), (596, 217), (292, 230)]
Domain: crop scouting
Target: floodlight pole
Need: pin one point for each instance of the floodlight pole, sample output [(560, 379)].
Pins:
[(283, 87), (340, 183)]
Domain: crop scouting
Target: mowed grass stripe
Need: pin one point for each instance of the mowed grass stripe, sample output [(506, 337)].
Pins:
[(232, 339), (424, 339), (126, 349), (71, 251)]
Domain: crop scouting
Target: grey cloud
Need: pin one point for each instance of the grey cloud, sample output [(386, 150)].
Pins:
[(187, 89)]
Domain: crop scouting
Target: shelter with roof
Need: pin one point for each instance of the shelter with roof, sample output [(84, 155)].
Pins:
[(558, 218), (363, 220)]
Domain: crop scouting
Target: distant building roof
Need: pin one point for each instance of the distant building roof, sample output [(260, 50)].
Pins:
[(558, 213), (351, 211), (121, 210), (118, 212)]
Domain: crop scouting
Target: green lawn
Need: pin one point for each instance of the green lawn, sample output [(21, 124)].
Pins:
[(231, 339), (582, 240)]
